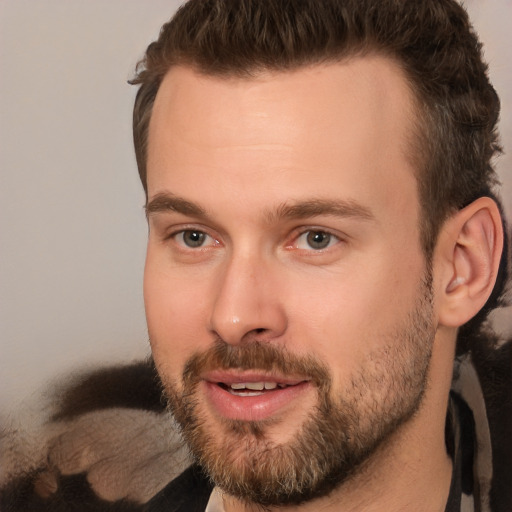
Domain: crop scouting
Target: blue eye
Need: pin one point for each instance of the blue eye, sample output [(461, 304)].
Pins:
[(316, 240)]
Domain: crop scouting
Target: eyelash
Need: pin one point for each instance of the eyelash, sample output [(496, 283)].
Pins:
[(296, 243), (309, 240), (181, 232)]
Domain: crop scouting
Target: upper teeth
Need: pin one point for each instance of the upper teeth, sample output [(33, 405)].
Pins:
[(256, 386)]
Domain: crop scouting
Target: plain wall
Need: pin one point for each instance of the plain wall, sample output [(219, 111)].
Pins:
[(72, 225)]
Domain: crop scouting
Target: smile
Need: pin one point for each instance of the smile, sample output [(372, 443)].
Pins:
[(251, 388), (251, 397)]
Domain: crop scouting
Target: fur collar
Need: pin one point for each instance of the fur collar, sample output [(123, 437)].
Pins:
[(110, 445)]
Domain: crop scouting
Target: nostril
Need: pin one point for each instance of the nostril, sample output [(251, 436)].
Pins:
[(258, 334)]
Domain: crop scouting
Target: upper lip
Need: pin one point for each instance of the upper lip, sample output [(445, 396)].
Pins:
[(236, 376)]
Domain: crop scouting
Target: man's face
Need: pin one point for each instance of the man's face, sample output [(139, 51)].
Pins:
[(287, 296)]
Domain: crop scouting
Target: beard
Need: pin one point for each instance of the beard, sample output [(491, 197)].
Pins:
[(340, 434)]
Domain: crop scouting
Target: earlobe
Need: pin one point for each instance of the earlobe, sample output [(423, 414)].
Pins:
[(472, 245)]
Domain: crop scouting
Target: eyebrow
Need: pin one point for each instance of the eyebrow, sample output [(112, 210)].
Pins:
[(317, 207), (167, 202)]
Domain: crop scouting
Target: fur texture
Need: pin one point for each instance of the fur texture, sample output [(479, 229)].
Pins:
[(110, 445)]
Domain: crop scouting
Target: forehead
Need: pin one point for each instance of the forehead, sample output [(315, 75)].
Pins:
[(347, 123)]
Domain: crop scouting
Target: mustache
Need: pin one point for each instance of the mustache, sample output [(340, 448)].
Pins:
[(255, 355)]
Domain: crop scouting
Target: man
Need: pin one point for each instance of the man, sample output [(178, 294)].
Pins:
[(324, 239)]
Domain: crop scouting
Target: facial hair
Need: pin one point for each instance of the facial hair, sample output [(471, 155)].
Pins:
[(342, 432)]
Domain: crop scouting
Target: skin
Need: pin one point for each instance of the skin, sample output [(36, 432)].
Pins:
[(239, 150)]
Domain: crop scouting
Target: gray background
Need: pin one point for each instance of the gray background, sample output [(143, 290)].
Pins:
[(71, 221)]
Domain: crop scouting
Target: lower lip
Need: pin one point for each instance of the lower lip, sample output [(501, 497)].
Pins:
[(253, 408)]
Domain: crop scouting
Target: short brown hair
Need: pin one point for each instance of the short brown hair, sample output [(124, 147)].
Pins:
[(432, 40)]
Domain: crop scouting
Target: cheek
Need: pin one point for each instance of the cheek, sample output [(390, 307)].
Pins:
[(348, 315), (333, 324), (176, 311)]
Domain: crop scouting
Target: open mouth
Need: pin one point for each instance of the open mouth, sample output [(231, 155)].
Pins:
[(252, 388), (252, 396)]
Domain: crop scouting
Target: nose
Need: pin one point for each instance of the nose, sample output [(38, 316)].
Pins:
[(247, 302)]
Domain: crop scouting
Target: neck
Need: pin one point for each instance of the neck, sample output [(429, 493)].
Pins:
[(411, 471)]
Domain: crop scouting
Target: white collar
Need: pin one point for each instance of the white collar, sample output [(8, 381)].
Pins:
[(215, 503)]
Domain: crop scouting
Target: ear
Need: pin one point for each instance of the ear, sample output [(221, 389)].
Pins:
[(467, 257)]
